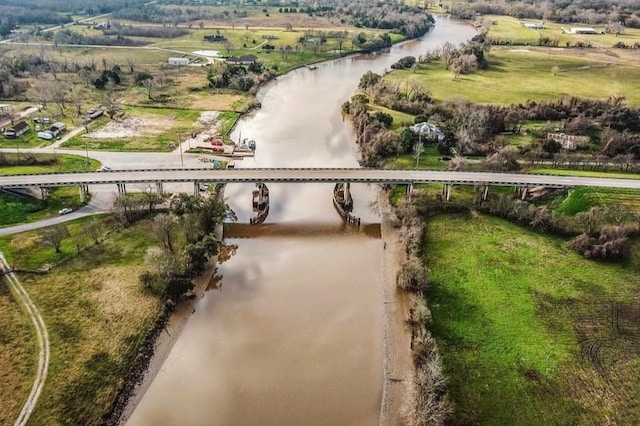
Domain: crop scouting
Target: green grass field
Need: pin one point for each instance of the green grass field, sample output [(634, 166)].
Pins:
[(96, 313), (528, 75), (510, 28), (17, 210), (531, 333), (583, 198)]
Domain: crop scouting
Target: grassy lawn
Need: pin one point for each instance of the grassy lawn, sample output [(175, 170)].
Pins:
[(583, 198), (527, 74), (17, 356), (16, 210), (510, 28), (587, 173), (96, 314), (429, 159), (530, 332)]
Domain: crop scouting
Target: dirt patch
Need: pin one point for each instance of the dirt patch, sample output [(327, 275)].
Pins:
[(131, 127), (397, 361)]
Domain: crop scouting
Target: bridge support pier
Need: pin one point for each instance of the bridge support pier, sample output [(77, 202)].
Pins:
[(485, 193), (122, 189), (159, 189), (44, 193), (409, 190), (196, 188), (446, 191), (522, 192), (347, 193), (83, 190)]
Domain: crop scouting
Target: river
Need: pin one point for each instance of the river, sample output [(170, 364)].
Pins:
[(292, 332)]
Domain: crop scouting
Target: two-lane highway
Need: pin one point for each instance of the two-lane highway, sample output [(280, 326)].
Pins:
[(309, 175)]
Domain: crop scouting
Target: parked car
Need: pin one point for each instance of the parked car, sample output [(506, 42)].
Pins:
[(66, 210)]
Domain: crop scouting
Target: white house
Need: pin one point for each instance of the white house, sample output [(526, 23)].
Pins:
[(178, 62), (534, 25), (428, 130)]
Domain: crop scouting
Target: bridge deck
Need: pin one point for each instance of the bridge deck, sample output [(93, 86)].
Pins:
[(308, 175)]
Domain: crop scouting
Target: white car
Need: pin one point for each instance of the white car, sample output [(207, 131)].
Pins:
[(66, 210), (104, 169)]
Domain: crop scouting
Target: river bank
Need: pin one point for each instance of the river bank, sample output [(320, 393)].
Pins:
[(397, 363), (165, 341)]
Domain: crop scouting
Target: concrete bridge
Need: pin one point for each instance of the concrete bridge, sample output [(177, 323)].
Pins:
[(121, 178)]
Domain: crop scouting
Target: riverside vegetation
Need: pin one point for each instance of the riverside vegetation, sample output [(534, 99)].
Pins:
[(116, 271), (113, 274), (522, 314)]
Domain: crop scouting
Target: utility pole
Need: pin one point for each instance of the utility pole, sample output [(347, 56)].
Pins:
[(86, 152), (418, 148), (180, 148)]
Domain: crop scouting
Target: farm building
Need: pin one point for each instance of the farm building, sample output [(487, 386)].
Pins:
[(178, 62), (581, 30), (16, 130), (534, 25)]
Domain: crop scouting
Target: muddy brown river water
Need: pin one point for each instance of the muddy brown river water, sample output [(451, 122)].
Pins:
[(292, 335)]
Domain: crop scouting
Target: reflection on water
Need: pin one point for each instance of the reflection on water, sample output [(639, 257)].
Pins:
[(290, 332)]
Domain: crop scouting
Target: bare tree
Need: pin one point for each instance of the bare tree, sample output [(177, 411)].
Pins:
[(149, 84), (54, 236), (59, 95), (93, 229), (11, 113), (132, 62), (165, 264), (163, 228)]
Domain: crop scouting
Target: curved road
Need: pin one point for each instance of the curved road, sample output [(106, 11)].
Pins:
[(41, 333)]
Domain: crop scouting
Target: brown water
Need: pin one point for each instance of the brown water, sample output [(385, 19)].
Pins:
[(293, 333)]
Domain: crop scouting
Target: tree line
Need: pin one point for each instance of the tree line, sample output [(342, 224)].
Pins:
[(591, 12)]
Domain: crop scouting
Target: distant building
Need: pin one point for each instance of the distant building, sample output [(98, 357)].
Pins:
[(102, 26), (534, 25), (16, 130), (178, 62), (269, 37), (428, 131), (582, 30), (243, 60), (569, 142), (215, 38)]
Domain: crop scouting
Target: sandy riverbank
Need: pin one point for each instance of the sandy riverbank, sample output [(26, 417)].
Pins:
[(165, 341), (397, 363)]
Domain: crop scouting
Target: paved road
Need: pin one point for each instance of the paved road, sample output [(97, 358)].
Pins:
[(308, 175)]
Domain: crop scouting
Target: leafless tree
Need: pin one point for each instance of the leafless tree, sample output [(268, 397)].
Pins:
[(163, 228), (165, 263), (60, 95), (94, 230), (11, 113), (54, 236), (132, 62), (149, 84)]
